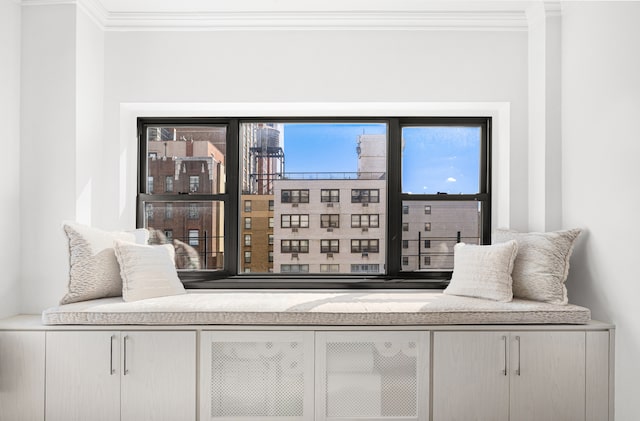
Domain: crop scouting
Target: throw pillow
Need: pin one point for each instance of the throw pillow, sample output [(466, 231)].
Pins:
[(542, 264), (483, 271), (93, 268), (147, 271)]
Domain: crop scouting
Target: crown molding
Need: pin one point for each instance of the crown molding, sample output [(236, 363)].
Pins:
[(223, 20)]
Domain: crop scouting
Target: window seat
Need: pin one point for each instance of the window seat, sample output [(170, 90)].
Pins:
[(313, 307)]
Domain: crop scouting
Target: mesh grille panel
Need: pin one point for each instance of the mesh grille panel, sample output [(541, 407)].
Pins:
[(256, 379), (371, 379)]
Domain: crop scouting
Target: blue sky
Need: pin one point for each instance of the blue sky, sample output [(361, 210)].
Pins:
[(434, 159)]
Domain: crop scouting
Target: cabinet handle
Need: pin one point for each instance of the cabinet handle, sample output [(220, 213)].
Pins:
[(504, 371), (519, 346), (111, 370), (125, 369)]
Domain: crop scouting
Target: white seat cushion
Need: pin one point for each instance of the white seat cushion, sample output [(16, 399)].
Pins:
[(378, 307)]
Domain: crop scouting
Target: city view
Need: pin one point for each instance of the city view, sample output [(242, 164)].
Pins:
[(313, 196)]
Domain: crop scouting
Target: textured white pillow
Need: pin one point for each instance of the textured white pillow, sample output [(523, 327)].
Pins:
[(93, 268), (483, 271), (542, 264), (147, 271)]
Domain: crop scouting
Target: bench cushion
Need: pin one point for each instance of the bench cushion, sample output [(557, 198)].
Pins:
[(371, 308)]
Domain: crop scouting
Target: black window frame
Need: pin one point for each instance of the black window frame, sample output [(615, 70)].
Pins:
[(330, 198), (330, 246), (330, 220), (290, 196), (361, 196), (230, 275)]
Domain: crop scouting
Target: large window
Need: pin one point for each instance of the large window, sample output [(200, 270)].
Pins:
[(251, 202)]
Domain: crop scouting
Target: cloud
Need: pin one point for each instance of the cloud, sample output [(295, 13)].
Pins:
[(451, 180)]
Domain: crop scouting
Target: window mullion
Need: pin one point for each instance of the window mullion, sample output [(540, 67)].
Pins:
[(394, 199)]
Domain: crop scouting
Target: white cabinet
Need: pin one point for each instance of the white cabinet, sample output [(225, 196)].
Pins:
[(256, 375), (22, 376), (113, 375), (547, 376), (375, 375), (509, 375)]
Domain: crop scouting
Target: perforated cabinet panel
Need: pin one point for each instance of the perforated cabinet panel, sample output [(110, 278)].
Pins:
[(373, 375), (258, 377)]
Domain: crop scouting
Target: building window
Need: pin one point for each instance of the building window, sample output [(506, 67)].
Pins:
[(405, 210), (149, 210), (365, 221), (427, 260), (247, 240), (364, 246), (294, 221), (270, 239), (169, 235), (405, 244), (330, 195), (193, 211), (294, 246), (288, 268), (270, 256), (405, 226), (329, 246), (329, 268), (168, 210), (294, 196), (405, 260), (168, 184), (247, 257), (427, 244), (194, 183), (365, 196), (247, 205), (427, 226), (247, 223), (194, 238), (427, 209), (271, 222), (329, 221), (271, 205), (150, 184)]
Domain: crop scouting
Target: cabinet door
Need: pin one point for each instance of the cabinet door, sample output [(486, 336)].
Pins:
[(373, 375), (22, 376), (548, 376), (470, 376), (82, 376), (256, 376), (158, 378)]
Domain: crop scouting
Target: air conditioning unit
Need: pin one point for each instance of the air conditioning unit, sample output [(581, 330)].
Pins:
[(365, 229), (329, 255), (294, 229), (294, 205), (365, 254), (294, 256), (329, 205), (329, 229), (365, 204)]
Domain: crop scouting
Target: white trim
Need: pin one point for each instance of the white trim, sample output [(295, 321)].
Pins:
[(312, 20), (500, 112), (399, 17)]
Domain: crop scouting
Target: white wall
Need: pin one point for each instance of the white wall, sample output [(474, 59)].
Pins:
[(47, 164), (89, 117), (10, 146), (601, 171)]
